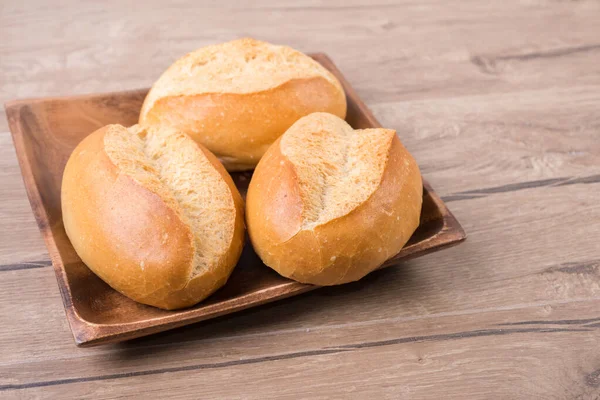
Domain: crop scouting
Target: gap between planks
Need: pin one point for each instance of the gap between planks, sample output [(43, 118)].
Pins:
[(323, 328)]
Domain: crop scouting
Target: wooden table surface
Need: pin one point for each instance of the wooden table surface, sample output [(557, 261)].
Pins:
[(500, 104)]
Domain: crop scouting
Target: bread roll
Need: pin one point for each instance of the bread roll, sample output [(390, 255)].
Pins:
[(236, 98), (153, 214), (328, 204)]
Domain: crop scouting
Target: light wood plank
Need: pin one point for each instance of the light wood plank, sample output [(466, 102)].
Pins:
[(418, 51), (20, 239), (470, 142), (490, 355)]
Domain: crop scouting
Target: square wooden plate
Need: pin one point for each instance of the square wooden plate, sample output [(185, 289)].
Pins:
[(46, 130)]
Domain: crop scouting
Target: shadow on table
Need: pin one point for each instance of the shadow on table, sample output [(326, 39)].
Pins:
[(322, 307)]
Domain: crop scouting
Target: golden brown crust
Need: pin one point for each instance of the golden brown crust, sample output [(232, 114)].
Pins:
[(344, 249), (239, 122), (274, 179), (130, 237)]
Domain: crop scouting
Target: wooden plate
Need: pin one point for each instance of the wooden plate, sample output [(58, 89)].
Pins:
[(45, 131)]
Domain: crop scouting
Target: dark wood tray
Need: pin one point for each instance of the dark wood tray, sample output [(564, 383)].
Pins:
[(46, 130)]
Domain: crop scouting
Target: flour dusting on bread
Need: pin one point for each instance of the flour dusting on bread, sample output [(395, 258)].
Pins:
[(170, 164), (338, 168)]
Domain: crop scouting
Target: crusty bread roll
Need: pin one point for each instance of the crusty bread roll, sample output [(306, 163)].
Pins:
[(328, 204), (152, 213), (236, 98)]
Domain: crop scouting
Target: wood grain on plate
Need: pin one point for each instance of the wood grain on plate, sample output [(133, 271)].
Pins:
[(45, 131)]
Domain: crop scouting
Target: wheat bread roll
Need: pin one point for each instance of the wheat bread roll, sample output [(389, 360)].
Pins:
[(237, 98), (153, 214), (328, 204)]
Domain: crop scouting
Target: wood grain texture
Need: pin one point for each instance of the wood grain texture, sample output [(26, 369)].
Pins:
[(498, 101)]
